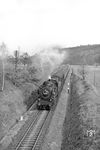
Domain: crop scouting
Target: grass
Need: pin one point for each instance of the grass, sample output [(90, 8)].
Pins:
[(25, 81), (72, 130), (94, 76), (11, 107), (16, 98), (81, 118)]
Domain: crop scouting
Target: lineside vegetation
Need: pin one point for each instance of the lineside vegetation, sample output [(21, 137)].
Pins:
[(81, 126)]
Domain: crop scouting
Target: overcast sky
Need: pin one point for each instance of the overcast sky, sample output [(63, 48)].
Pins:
[(32, 24)]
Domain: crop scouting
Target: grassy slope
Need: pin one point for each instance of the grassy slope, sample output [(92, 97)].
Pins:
[(82, 116), (11, 107), (22, 80), (14, 99)]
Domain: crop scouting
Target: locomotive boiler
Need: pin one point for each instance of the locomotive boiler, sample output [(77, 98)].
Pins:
[(47, 92)]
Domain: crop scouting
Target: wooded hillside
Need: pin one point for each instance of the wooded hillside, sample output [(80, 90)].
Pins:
[(88, 55)]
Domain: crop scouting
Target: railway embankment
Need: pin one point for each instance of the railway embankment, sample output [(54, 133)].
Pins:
[(81, 128), (53, 137)]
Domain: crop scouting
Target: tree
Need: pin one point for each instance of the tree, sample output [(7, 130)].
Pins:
[(25, 59), (97, 60), (14, 60), (32, 71), (11, 59), (82, 71), (3, 52)]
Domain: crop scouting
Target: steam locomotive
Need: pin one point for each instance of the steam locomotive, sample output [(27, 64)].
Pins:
[(49, 90), (47, 94)]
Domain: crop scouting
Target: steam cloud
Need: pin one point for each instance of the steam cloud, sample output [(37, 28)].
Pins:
[(50, 59)]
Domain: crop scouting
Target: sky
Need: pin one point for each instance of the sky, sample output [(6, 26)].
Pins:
[(30, 25)]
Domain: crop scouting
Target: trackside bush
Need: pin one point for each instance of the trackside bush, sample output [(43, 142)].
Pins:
[(80, 130)]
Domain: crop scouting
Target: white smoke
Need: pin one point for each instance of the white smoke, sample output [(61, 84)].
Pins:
[(50, 59)]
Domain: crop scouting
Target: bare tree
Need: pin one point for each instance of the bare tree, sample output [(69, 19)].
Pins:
[(3, 51)]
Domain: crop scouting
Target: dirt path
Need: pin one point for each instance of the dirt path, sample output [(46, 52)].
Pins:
[(53, 138)]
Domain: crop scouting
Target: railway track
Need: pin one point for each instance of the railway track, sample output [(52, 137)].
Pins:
[(32, 120), (35, 134), (26, 138), (32, 134), (34, 139), (43, 129)]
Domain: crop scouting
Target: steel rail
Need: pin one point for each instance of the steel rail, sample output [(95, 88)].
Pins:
[(31, 137), (41, 134), (22, 131), (31, 125)]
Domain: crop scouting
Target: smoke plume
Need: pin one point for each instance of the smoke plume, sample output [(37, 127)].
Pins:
[(50, 59)]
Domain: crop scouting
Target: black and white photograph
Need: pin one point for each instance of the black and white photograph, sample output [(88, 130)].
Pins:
[(49, 74)]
